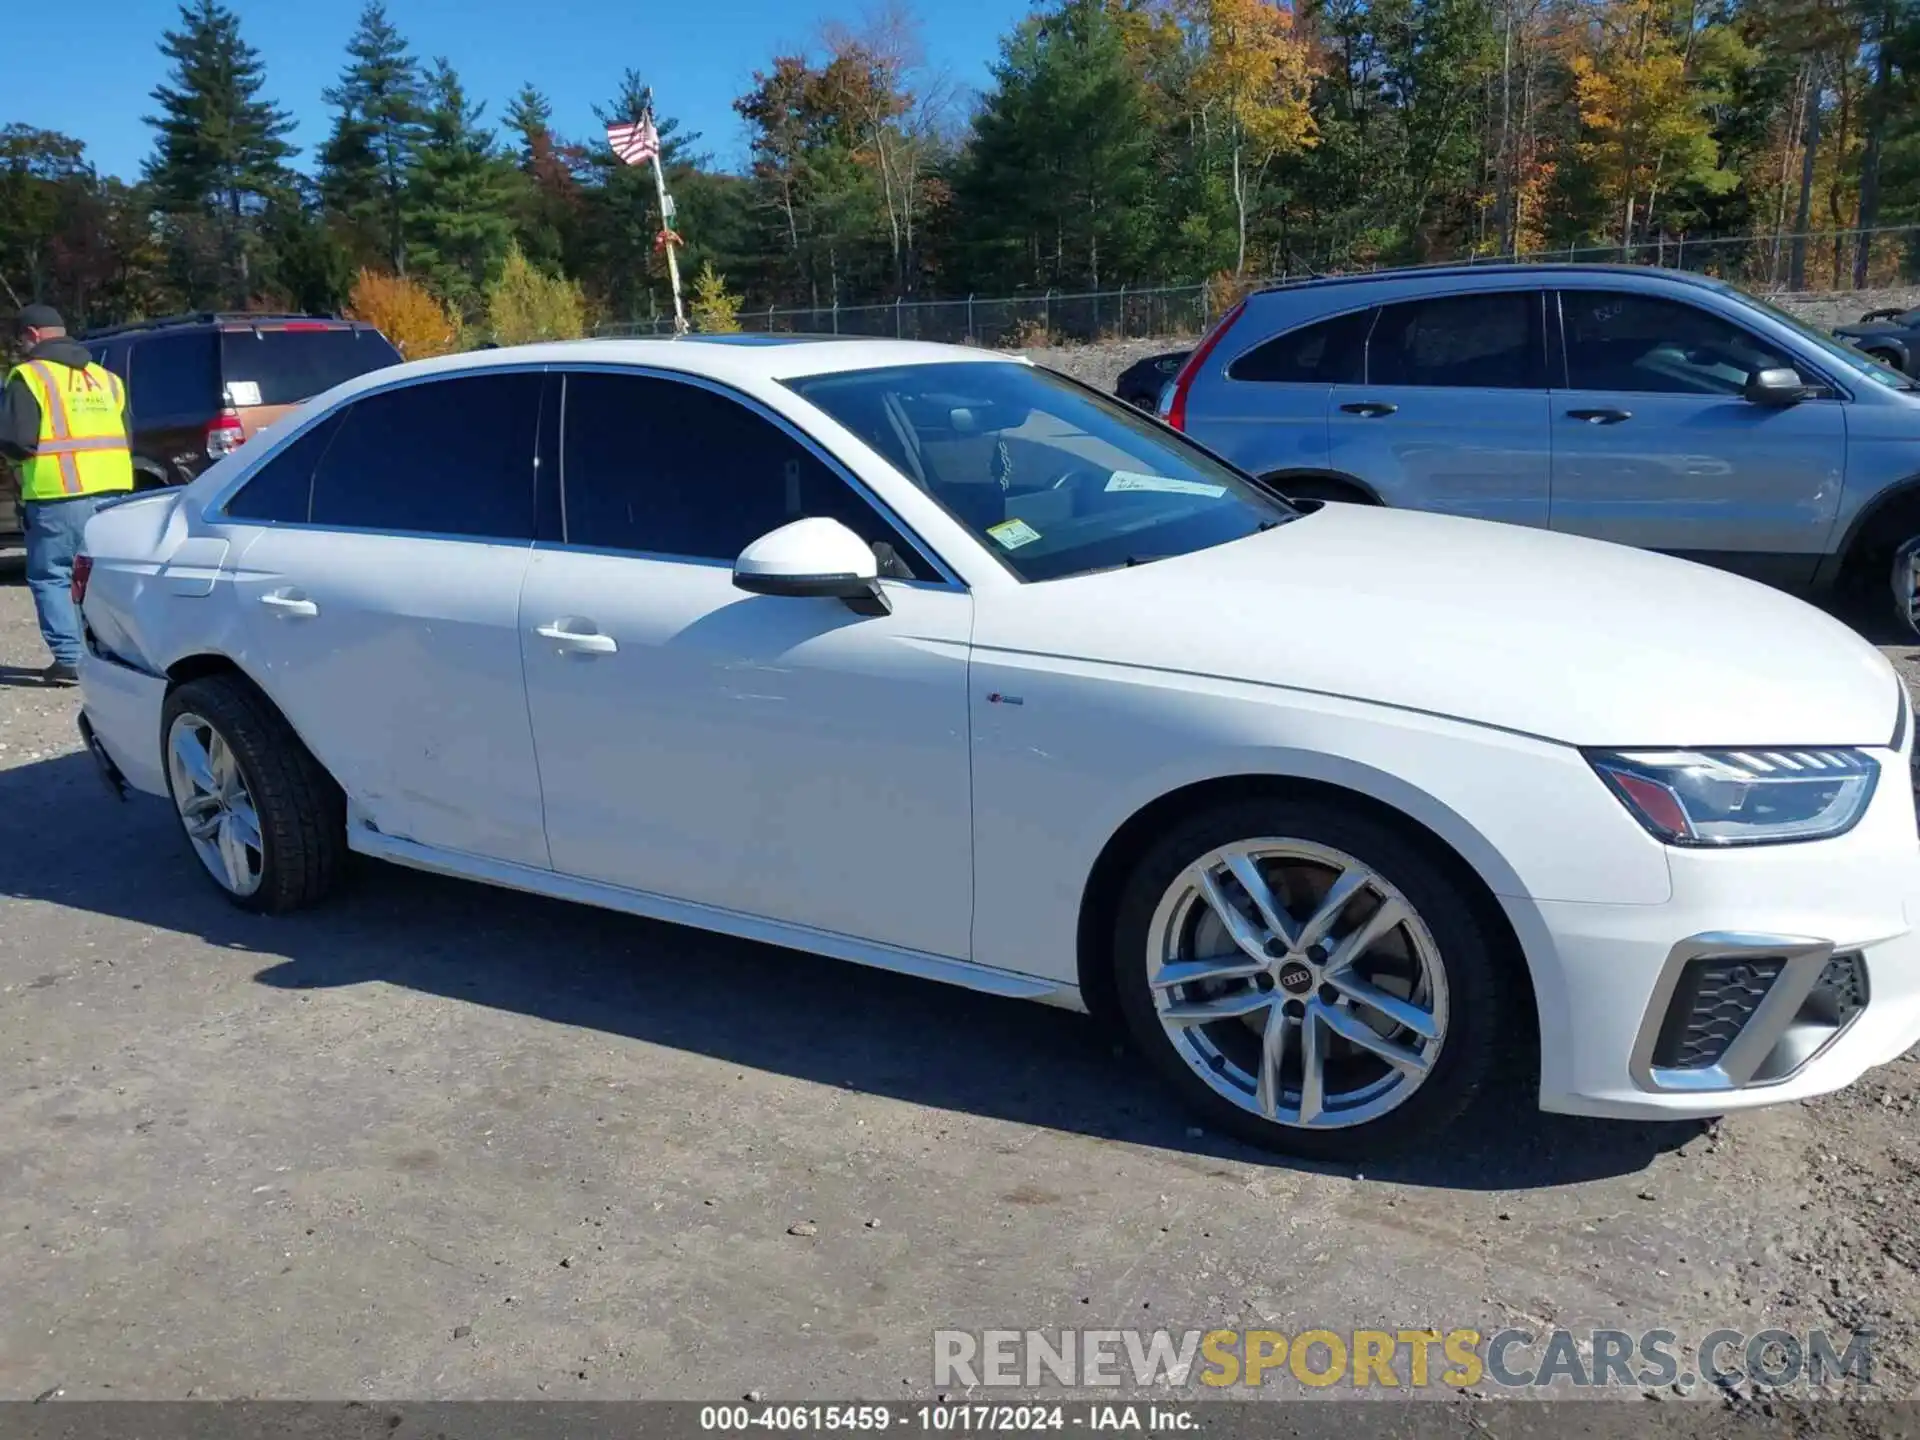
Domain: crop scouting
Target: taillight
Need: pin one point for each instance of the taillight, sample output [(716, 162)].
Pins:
[(225, 434), (82, 572), (1176, 415)]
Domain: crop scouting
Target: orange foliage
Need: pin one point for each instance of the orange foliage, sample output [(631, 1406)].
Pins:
[(404, 312)]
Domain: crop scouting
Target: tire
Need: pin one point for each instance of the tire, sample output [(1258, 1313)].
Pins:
[(1296, 845), (1335, 490), (298, 813)]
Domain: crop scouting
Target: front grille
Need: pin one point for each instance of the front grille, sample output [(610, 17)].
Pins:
[(1839, 994), (1713, 1001)]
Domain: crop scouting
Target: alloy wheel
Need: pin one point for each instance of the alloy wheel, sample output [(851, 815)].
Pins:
[(1297, 982), (215, 805)]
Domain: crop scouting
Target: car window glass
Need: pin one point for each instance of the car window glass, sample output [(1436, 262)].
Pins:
[(174, 377), (1051, 477), (1644, 344), (1474, 341), (280, 491), (1329, 353), (662, 467), (451, 456), (283, 367)]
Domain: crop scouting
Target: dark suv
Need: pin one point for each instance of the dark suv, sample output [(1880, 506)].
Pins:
[(203, 385)]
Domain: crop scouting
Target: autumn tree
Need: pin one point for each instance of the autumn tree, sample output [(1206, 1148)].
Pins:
[(1252, 80)]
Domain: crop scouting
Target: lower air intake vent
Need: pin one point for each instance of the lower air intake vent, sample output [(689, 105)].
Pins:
[(1713, 1001)]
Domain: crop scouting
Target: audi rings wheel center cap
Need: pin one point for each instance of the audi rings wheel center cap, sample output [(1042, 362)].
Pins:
[(1295, 978)]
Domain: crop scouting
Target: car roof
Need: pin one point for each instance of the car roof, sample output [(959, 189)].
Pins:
[(729, 359), (222, 321), (1538, 269)]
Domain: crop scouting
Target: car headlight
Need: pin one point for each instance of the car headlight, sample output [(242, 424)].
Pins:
[(1741, 797)]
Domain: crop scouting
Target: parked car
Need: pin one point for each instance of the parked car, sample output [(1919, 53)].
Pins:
[(944, 664), (1140, 383), (1890, 336), (1648, 407), (200, 386)]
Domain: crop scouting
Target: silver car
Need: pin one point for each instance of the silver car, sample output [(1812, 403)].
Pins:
[(1642, 406)]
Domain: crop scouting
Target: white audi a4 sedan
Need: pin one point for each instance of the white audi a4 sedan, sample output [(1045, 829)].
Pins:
[(935, 661)]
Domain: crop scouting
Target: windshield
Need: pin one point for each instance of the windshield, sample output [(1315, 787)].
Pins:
[(284, 367), (1054, 479), (1839, 350)]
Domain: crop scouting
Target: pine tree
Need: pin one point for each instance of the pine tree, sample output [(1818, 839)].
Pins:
[(547, 209), (219, 148), (377, 133), (461, 192), (1058, 187)]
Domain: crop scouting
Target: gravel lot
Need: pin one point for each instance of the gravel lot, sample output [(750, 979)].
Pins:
[(440, 1140)]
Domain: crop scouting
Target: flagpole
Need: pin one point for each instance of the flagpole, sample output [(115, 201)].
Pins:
[(666, 220), (673, 265)]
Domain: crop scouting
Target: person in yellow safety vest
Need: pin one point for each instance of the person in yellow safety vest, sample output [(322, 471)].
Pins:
[(63, 419)]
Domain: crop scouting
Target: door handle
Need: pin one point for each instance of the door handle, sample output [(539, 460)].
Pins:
[(290, 604), (1370, 409), (1600, 417), (583, 642)]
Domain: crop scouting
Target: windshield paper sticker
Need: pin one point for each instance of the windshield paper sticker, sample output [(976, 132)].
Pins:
[(1012, 534), (1124, 480), (243, 392)]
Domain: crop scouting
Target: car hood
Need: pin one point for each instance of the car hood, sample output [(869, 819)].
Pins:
[(1867, 329), (1550, 635)]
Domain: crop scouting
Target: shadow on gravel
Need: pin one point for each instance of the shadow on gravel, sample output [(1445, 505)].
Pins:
[(751, 1005)]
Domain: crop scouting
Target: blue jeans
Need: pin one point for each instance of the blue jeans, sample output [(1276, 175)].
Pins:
[(54, 531)]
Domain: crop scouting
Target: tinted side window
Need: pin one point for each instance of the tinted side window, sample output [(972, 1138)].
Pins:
[(1641, 343), (452, 457), (174, 377), (1329, 353), (666, 468), (1474, 341), (281, 491)]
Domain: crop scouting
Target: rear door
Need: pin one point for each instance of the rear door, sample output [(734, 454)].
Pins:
[(375, 573), (1266, 408), (1452, 412), (1655, 444), (173, 390)]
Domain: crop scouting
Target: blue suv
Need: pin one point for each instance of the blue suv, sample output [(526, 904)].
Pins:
[(1648, 407)]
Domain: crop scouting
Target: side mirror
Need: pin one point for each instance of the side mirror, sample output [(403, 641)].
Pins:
[(814, 558), (1779, 386)]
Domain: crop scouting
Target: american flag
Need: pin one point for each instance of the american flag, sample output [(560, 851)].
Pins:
[(636, 142)]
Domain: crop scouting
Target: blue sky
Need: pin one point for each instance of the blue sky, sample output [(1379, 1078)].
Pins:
[(697, 54)]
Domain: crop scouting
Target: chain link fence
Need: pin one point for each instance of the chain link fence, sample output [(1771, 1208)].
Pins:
[(1769, 264)]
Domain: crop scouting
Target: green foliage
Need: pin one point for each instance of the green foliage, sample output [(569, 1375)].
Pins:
[(1121, 143), (1057, 187), (460, 195), (526, 304), (366, 163), (220, 149), (715, 310)]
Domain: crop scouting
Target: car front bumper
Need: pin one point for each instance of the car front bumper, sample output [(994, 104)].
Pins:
[(1772, 974)]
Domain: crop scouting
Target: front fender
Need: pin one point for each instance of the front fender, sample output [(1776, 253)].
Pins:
[(1090, 746)]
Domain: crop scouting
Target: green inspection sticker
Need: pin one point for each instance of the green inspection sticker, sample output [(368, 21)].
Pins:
[(1012, 534)]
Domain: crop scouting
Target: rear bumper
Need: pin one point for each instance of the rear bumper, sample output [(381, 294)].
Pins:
[(121, 708)]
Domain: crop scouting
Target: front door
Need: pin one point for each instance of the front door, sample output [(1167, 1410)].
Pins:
[(1452, 414), (1655, 445), (374, 581), (767, 756)]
